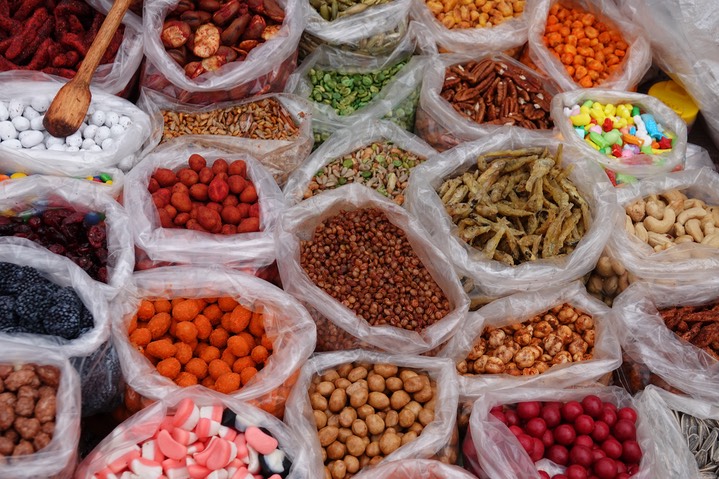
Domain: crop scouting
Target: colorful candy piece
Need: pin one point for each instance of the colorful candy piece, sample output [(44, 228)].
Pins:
[(259, 441)]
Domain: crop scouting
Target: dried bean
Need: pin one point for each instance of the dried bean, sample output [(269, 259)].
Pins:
[(380, 166), (475, 13), (699, 325), (365, 262), (403, 115), (376, 45), (334, 9)]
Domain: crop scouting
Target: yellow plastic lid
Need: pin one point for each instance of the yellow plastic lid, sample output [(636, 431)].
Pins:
[(676, 98)]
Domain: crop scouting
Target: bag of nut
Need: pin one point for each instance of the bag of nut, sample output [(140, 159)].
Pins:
[(501, 455), (333, 254), (415, 469), (467, 97), (369, 27), (378, 154), (673, 330), (40, 413), (276, 128), (558, 336), (73, 219), (207, 51), (495, 25), (670, 223), (285, 326), (416, 398), (503, 257), (205, 241), (553, 49), (686, 432)]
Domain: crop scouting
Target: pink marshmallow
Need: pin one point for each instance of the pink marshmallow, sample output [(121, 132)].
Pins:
[(195, 447), (259, 441), (118, 461), (170, 447), (241, 473), (167, 423), (207, 427), (197, 471), (151, 451), (227, 433), (104, 474), (183, 437), (218, 474), (241, 444), (175, 469), (186, 415), (212, 412), (146, 468)]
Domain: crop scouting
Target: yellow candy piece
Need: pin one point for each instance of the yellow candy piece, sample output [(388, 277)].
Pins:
[(610, 110), (89, 178), (620, 123), (591, 143), (583, 118), (15, 176), (108, 182), (659, 152)]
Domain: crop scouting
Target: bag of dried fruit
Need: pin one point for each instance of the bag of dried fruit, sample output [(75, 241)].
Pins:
[(200, 54), (686, 432), (672, 329), (225, 329), (470, 96), (334, 254), (627, 438), (606, 50), (344, 389), (236, 435), (203, 205), (72, 219), (111, 135), (460, 27), (369, 27), (669, 225), (494, 232), (276, 128), (377, 154), (556, 336), (415, 469), (347, 88), (41, 431)]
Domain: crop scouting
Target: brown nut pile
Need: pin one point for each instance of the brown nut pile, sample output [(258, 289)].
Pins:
[(563, 334), (697, 324), (364, 412), (475, 13), (608, 279), (27, 408), (672, 218), (497, 93), (203, 35), (365, 262)]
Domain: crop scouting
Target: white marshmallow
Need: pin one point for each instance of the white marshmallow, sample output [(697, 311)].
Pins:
[(30, 138), (7, 131), (21, 123), (36, 123), (16, 108)]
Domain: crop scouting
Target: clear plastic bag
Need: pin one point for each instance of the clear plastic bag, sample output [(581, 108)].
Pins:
[(635, 63), (680, 262), (100, 380), (415, 469), (235, 80), (198, 247), (25, 86), (280, 157), (698, 157), (375, 31), (37, 192), (502, 457), (439, 124), (648, 340), (286, 321), (113, 188), (144, 424), (509, 34), (493, 277), (298, 223), (687, 49), (57, 460), (520, 307), (345, 142), (435, 435), (663, 115)]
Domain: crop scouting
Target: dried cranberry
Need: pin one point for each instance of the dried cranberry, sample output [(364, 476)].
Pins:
[(101, 255), (102, 274), (96, 235), (84, 262), (35, 223), (74, 218), (57, 249)]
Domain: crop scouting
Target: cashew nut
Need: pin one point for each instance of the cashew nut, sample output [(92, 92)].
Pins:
[(652, 223), (673, 195), (604, 267), (694, 228), (694, 203), (657, 239), (715, 215), (677, 206), (629, 225), (655, 207), (709, 228), (711, 240), (696, 212), (641, 232), (637, 210), (684, 239), (617, 267), (679, 230)]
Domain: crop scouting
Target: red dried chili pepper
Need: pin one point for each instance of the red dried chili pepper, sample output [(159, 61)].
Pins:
[(42, 55), (27, 7), (75, 42), (29, 50), (29, 32), (61, 72), (75, 25)]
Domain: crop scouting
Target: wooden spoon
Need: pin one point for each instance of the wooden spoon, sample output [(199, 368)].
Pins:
[(71, 103)]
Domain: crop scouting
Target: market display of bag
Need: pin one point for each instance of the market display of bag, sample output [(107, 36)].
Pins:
[(339, 327), (416, 469), (345, 142), (673, 356), (201, 247), (633, 66), (435, 435), (286, 323), (111, 259), (281, 157), (58, 457), (495, 277), (602, 347)]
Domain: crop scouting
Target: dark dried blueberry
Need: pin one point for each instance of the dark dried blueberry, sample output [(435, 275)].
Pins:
[(65, 314)]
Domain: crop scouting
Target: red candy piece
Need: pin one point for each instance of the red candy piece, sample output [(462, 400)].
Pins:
[(608, 125), (616, 150), (612, 176), (665, 143)]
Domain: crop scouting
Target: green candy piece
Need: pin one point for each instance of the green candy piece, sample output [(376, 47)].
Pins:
[(613, 137), (105, 177), (598, 139), (647, 150), (588, 103), (635, 111), (625, 179)]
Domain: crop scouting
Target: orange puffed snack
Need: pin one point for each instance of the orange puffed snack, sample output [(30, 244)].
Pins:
[(589, 49), (216, 342)]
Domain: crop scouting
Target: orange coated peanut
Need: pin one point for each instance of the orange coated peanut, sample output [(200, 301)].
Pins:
[(215, 342), (589, 49)]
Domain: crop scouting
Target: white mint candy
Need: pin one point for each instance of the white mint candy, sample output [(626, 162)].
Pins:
[(107, 143), (95, 148), (98, 118), (56, 147), (40, 104), (89, 132), (112, 119), (36, 123), (7, 130), (125, 121), (16, 108), (74, 140), (52, 140), (21, 123), (30, 113), (87, 143), (4, 114), (102, 133), (14, 144), (116, 131), (30, 138), (72, 148)]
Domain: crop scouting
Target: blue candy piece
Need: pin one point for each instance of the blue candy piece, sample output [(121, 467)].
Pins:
[(651, 126), (579, 130), (93, 218), (633, 130)]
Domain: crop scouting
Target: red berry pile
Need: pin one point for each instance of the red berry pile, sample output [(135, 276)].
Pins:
[(592, 439)]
